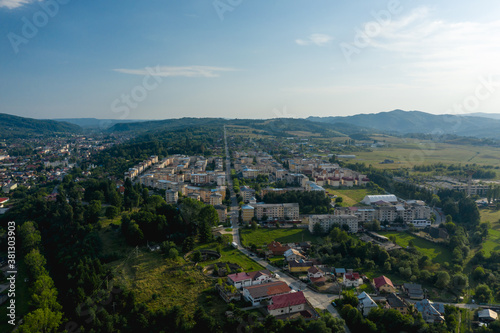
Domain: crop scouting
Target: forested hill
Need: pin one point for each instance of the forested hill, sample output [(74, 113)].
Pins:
[(14, 126), (404, 122)]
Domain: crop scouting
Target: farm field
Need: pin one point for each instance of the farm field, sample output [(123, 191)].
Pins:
[(436, 252), (263, 236), (409, 152)]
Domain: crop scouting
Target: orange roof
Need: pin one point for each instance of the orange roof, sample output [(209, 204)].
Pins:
[(382, 280)]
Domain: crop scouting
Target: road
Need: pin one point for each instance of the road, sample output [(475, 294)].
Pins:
[(317, 300)]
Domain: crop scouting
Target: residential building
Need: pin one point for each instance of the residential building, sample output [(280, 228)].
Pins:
[(487, 315), (293, 254), (397, 303), (413, 290), (289, 211), (352, 280), (222, 212), (276, 248), (247, 213), (247, 193), (431, 312), (295, 266), (263, 292), (366, 303), (316, 275), (384, 285), (240, 280), (329, 220), (171, 196), (215, 199), (287, 304)]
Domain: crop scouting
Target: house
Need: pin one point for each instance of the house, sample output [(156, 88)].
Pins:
[(266, 291), (352, 280), (487, 315), (316, 275), (3, 201), (287, 303), (240, 280), (366, 303), (413, 290), (277, 249), (295, 266), (431, 312), (340, 272), (397, 303), (293, 254), (384, 285)]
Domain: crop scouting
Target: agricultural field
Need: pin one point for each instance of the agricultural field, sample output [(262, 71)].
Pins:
[(436, 252), (408, 152), (264, 236)]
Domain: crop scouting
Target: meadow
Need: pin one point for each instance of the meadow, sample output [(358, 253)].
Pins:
[(436, 252), (263, 236)]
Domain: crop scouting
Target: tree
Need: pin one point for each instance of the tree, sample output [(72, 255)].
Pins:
[(443, 279), (173, 253), (483, 293), (317, 229), (254, 225), (197, 256), (41, 320), (30, 236), (92, 212), (44, 294), (112, 212), (35, 263), (460, 281)]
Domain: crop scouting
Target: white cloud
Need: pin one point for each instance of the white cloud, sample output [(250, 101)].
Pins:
[(433, 49), (316, 39), (183, 71), (11, 4)]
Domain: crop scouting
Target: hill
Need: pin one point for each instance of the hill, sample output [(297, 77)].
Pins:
[(14, 126), (405, 122), (94, 123)]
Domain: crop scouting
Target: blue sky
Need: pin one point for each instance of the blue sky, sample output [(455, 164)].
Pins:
[(158, 59)]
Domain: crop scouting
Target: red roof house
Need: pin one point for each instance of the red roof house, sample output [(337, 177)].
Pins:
[(384, 284), (287, 303)]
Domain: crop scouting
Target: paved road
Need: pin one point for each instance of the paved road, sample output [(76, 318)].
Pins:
[(317, 300)]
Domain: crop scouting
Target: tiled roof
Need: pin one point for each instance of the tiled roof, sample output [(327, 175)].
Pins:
[(248, 276), (295, 263), (382, 280), (286, 300), (268, 289)]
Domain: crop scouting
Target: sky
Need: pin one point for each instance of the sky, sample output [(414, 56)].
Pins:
[(159, 59)]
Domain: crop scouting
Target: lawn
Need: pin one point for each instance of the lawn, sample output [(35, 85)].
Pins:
[(350, 197), (264, 236), (232, 255), (437, 253), (492, 243)]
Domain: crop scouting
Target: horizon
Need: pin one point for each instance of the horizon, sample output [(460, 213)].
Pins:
[(247, 60)]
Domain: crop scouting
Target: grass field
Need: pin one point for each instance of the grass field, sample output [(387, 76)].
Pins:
[(160, 282), (437, 253), (263, 236), (351, 196), (409, 152), (493, 242)]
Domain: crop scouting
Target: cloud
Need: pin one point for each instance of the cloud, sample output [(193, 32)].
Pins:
[(11, 4), (183, 71), (433, 48), (316, 39)]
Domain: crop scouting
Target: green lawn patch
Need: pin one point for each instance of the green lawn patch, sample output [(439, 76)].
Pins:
[(264, 236), (492, 216), (436, 252), (351, 196)]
